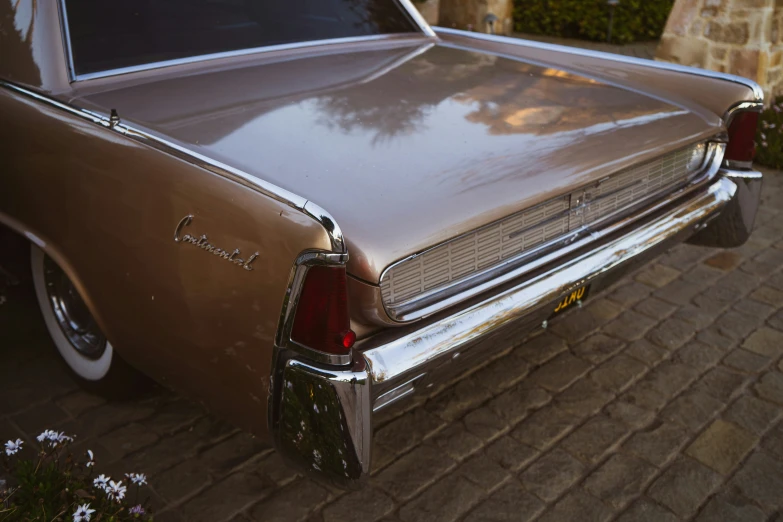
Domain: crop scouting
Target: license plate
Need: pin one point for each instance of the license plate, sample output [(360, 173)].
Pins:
[(575, 298)]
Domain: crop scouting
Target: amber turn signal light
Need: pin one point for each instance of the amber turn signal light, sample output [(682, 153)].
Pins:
[(321, 322)]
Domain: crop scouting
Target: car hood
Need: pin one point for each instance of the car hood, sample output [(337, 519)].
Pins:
[(413, 143)]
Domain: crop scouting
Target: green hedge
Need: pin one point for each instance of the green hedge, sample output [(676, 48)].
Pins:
[(634, 20)]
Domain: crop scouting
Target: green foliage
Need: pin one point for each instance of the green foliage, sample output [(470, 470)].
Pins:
[(634, 20), (769, 137), (51, 486)]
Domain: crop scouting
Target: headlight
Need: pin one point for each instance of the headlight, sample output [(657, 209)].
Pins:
[(696, 157)]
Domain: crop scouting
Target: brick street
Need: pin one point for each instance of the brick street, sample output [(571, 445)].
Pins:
[(661, 399)]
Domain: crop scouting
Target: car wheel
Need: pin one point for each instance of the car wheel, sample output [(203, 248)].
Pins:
[(75, 333)]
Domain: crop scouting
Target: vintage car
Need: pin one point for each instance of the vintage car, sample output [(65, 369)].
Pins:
[(300, 213)]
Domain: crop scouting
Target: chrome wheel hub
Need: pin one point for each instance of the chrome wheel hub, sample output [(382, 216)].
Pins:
[(72, 315)]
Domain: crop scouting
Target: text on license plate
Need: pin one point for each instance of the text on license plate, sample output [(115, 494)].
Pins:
[(572, 299)]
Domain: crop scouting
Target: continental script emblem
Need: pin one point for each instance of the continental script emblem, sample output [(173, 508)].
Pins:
[(203, 243)]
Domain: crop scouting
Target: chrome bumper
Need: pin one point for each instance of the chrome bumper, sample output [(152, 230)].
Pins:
[(325, 416)]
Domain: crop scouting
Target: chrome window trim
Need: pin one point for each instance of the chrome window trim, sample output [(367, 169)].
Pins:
[(406, 5), (65, 31), (546, 253), (758, 93)]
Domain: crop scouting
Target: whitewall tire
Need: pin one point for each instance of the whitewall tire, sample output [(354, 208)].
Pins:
[(75, 335)]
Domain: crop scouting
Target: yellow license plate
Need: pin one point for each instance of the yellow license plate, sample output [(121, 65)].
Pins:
[(575, 298)]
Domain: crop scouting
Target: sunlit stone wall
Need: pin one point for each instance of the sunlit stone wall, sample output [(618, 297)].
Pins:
[(737, 36), (429, 9), (472, 14)]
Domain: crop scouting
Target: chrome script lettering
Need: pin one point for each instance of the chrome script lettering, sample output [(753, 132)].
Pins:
[(203, 243)]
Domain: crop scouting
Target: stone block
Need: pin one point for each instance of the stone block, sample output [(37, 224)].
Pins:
[(365, 505), (731, 507), (683, 13), (413, 472), (594, 439), (597, 348), (510, 454), (655, 308), (692, 409), (658, 443), (226, 498), (771, 387), (560, 372), (753, 414), (745, 361), (679, 49), (447, 500), (582, 399), (515, 404), (684, 486), (552, 475), (511, 503), (761, 479), (722, 446), (544, 427), (483, 472), (645, 511), (748, 63), (618, 373), (457, 441), (578, 505), (736, 33), (408, 430), (765, 341), (293, 502), (620, 479)]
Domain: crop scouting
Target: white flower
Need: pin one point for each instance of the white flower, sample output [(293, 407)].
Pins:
[(53, 437), (83, 513), (12, 446), (116, 491), (101, 482), (137, 478), (91, 463)]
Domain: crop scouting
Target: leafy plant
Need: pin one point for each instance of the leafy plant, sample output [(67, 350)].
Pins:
[(769, 136), (634, 20), (53, 486)]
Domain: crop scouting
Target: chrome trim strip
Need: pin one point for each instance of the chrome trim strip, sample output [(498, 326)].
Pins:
[(424, 349), (413, 310), (743, 106), (328, 222), (241, 52), (758, 93), (66, 34), (221, 169)]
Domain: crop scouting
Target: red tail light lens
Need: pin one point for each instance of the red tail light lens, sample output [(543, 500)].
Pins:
[(322, 321), (742, 137)]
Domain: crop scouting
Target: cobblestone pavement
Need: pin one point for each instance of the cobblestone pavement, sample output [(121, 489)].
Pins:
[(661, 399)]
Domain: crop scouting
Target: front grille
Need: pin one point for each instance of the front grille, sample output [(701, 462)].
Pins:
[(528, 231)]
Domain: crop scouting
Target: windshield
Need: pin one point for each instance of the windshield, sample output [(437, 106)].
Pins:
[(106, 35)]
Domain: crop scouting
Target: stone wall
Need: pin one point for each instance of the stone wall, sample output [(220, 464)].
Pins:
[(471, 15), (430, 10), (741, 37)]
